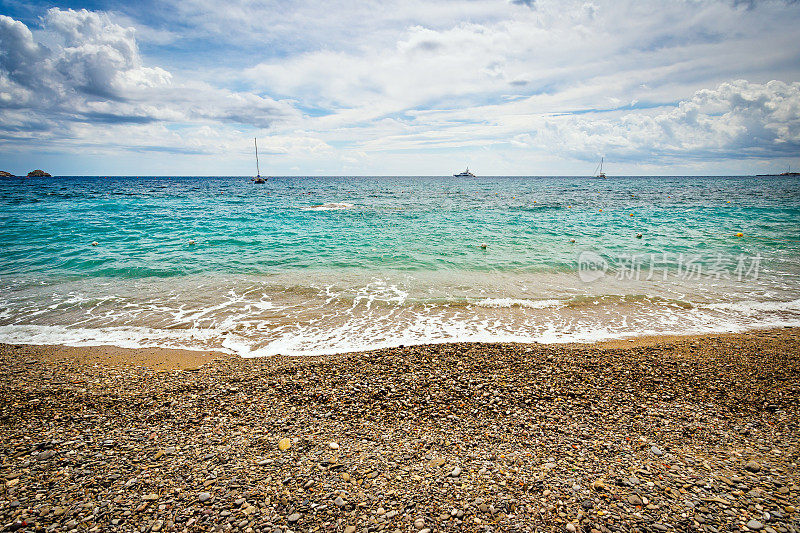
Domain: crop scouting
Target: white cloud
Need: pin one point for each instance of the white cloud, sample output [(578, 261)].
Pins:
[(93, 76), (737, 120), (509, 82)]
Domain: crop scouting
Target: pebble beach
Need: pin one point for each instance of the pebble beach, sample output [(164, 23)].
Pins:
[(670, 434)]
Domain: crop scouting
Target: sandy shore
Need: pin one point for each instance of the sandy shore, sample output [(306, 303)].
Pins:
[(659, 434)]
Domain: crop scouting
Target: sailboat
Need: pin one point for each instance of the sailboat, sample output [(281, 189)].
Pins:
[(258, 178), (599, 168)]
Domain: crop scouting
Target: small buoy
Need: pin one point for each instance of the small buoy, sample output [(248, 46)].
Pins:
[(191, 242), (728, 202), (638, 235), (483, 245), (740, 234), (94, 243), (631, 214), (601, 210), (569, 207), (534, 201), (572, 240)]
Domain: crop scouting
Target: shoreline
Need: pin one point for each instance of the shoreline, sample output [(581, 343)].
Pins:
[(164, 359), (694, 433)]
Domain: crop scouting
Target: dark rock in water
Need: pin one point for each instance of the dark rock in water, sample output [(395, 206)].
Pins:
[(4, 174), (38, 174)]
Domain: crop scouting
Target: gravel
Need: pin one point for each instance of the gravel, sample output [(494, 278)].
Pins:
[(448, 437)]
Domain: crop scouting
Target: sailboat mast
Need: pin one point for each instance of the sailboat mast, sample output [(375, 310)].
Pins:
[(258, 171)]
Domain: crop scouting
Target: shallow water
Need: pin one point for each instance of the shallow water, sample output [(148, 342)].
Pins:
[(308, 265)]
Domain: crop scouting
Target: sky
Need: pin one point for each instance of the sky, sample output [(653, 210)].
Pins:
[(408, 87)]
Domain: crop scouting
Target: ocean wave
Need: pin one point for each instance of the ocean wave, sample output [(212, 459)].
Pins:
[(120, 336), (578, 302), (376, 329), (753, 307), (515, 302), (330, 206)]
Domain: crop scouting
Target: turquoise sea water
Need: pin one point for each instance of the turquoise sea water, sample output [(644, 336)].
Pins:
[(306, 265)]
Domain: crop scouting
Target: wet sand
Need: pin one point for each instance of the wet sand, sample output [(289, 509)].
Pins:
[(660, 434)]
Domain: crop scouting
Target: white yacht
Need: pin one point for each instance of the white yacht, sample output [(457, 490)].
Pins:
[(465, 174)]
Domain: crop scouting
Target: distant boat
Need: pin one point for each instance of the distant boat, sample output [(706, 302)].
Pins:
[(465, 174), (258, 178), (599, 168)]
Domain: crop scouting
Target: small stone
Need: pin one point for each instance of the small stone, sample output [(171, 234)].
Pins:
[(150, 497), (380, 511), (456, 472), (752, 466), (292, 518), (284, 444), (571, 527), (11, 482), (419, 523), (755, 525), (46, 455), (350, 529), (204, 496), (339, 502), (599, 484), (655, 450), (333, 446), (789, 509), (634, 500), (587, 504), (157, 525)]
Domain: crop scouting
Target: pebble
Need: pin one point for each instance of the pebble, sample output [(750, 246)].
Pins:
[(419, 523), (292, 518), (204, 496), (655, 450), (754, 524), (635, 500), (752, 466), (284, 444)]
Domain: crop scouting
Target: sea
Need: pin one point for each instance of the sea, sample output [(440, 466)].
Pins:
[(320, 265)]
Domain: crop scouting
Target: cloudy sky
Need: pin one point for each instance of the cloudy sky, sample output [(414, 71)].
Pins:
[(509, 87)]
